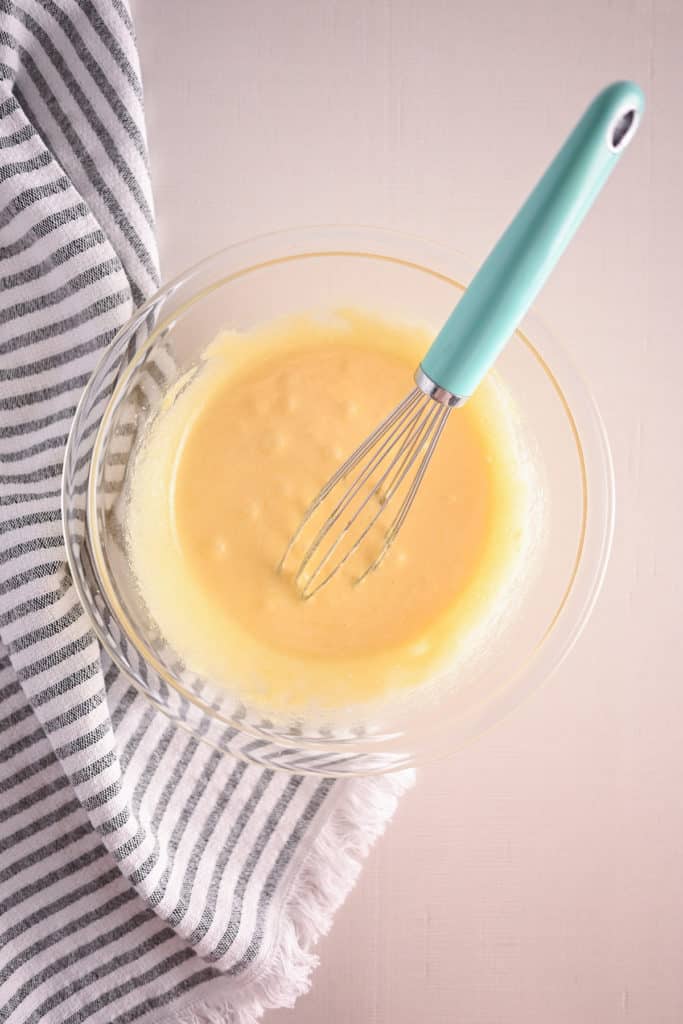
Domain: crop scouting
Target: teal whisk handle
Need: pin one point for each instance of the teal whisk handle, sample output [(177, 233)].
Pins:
[(516, 269)]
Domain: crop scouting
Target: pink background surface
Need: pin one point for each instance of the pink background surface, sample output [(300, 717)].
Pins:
[(537, 876)]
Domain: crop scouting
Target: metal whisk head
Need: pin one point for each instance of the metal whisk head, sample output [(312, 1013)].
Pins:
[(389, 464)]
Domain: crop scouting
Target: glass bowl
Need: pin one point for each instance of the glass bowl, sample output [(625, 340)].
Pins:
[(325, 269)]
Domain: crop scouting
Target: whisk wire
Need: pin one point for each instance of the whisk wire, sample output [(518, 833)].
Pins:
[(354, 489), (408, 451), (347, 466), (399, 413), (410, 432), (392, 532)]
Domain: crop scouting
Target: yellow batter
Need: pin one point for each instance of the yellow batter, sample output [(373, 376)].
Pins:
[(227, 470)]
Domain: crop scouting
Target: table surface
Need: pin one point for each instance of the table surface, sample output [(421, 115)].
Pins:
[(537, 876)]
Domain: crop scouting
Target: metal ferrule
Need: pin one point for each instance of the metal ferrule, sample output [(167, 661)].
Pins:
[(432, 389)]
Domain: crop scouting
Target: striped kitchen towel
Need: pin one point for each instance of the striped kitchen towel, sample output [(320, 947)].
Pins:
[(143, 876)]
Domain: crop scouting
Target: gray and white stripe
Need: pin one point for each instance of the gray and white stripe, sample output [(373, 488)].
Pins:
[(139, 870)]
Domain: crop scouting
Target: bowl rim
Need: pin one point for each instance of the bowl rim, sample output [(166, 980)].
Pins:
[(354, 241)]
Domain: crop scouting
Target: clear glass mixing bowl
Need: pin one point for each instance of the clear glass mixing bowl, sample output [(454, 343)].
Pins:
[(324, 269)]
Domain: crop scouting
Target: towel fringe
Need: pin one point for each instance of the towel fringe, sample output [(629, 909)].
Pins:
[(363, 809)]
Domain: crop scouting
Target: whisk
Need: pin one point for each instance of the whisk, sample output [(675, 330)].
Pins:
[(392, 461)]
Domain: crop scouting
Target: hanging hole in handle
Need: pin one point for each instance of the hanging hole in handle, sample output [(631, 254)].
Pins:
[(623, 129)]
